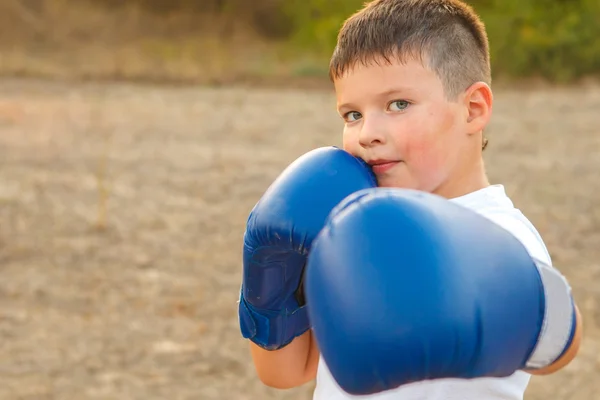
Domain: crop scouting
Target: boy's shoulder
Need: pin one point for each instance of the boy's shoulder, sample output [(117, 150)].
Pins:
[(493, 202)]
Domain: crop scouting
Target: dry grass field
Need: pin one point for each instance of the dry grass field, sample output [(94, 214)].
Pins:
[(122, 209)]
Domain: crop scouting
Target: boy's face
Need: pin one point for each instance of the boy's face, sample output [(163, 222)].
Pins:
[(398, 119)]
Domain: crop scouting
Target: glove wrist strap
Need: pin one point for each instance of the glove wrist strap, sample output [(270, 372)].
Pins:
[(272, 329), (556, 333)]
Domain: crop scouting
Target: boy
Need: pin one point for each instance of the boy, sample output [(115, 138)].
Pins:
[(412, 81)]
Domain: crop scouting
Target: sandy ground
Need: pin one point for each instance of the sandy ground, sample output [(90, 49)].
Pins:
[(121, 217)]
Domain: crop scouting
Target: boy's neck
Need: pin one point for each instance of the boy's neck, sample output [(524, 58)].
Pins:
[(469, 178)]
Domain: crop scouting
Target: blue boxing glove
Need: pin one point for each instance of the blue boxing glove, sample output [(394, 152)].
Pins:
[(404, 286), (278, 237)]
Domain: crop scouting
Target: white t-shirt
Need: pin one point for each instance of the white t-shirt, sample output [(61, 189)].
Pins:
[(493, 203)]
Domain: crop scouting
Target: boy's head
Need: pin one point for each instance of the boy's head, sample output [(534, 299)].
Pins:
[(412, 79)]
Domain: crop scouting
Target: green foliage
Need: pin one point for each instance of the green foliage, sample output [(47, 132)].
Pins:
[(556, 39), (317, 22)]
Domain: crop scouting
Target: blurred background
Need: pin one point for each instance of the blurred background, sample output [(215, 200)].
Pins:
[(135, 136), (212, 41)]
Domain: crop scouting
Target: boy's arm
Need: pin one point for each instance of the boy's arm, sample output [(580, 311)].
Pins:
[(569, 354), (289, 367)]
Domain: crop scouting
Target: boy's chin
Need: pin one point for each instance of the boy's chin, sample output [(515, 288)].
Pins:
[(390, 182)]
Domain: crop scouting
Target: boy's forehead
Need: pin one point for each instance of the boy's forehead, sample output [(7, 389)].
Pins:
[(383, 78)]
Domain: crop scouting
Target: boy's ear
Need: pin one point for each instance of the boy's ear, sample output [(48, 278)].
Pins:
[(478, 101)]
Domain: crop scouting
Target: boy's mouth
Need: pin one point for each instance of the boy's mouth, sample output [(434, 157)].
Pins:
[(382, 166)]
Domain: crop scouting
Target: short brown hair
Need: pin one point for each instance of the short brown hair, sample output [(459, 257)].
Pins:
[(446, 33)]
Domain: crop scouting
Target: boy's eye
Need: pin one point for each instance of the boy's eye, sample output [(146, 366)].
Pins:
[(398, 105), (352, 116)]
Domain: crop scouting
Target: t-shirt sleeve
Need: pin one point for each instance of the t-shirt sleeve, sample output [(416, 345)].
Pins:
[(525, 232)]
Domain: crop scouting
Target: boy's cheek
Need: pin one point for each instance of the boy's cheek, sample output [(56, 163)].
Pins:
[(426, 157), (350, 144)]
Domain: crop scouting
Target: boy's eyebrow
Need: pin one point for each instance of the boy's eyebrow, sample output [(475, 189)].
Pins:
[(398, 90), (345, 106), (387, 93)]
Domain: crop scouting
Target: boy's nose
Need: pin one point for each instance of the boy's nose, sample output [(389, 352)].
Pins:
[(371, 134)]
